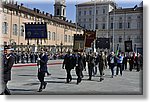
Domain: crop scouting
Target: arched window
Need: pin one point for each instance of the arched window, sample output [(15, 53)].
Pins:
[(58, 12), (5, 28), (15, 29)]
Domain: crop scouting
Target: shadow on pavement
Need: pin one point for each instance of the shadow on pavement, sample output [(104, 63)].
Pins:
[(22, 90)]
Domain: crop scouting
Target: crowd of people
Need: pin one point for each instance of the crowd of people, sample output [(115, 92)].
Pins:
[(31, 57), (80, 61), (100, 61)]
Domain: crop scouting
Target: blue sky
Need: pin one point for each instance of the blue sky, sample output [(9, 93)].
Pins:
[(47, 5)]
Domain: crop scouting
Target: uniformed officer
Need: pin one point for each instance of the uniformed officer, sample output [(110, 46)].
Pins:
[(42, 69), (90, 61), (9, 60), (79, 67), (69, 64)]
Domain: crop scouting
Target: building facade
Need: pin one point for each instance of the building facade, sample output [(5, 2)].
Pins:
[(109, 21), (60, 31)]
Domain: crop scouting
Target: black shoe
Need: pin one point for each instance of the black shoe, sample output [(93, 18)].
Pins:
[(2, 93), (40, 90), (101, 79), (78, 83), (48, 74), (45, 85), (70, 80)]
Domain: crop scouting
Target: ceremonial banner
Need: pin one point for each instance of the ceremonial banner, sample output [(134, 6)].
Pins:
[(78, 45), (128, 46), (36, 30), (90, 36), (103, 43)]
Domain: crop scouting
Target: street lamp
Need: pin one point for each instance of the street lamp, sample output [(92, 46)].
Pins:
[(61, 46)]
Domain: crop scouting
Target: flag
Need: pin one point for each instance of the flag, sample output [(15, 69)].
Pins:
[(90, 36), (78, 45)]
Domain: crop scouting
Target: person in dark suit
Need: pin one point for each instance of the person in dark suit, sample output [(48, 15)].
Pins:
[(42, 69), (69, 64), (101, 60), (112, 62), (90, 60), (79, 67), (9, 60)]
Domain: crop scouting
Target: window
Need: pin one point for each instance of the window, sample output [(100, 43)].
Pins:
[(90, 19), (22, 30), (84, 12), (84, 25), (128, 26), (96, 26), (103, 26), (120, 18), (49, 35), (90, 12), (96, 19), (104, 11), (5, 28), (129, 18), (84, 20), (96, 12), (138, 25), (58, 12), (89, 26), (69, 39), (120, 25), (15, 29), (120, 39), (63, 11), (104, 19), (79, 13), (65, 38), (111, 18), (53, 36), (111, 25), (138, 17)]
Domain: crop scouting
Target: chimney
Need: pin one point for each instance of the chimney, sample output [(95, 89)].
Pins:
[(38, 11), (51, 15), (34, 9), (21, 4), (47, 14)]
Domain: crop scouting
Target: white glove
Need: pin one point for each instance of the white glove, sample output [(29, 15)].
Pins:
[(38, 59)]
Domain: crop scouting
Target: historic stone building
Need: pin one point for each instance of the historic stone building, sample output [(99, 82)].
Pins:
[(60, 31), (109, 20)]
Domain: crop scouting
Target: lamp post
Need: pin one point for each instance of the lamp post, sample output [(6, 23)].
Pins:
[(94, 23), (61, 46)]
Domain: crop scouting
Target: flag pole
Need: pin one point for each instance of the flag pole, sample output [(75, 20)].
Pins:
[(94, 22)]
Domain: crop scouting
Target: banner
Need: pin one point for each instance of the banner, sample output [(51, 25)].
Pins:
[(78, 45), (103, 43), (90, 36), (35, 31), (128, 46)]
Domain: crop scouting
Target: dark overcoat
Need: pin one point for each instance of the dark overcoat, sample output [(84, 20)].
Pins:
[(43, 63), (8, 64)]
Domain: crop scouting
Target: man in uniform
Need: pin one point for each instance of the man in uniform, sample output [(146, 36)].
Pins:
[(69, 64), (9, 60), (90, 60), (79, 67), (42, 69)]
